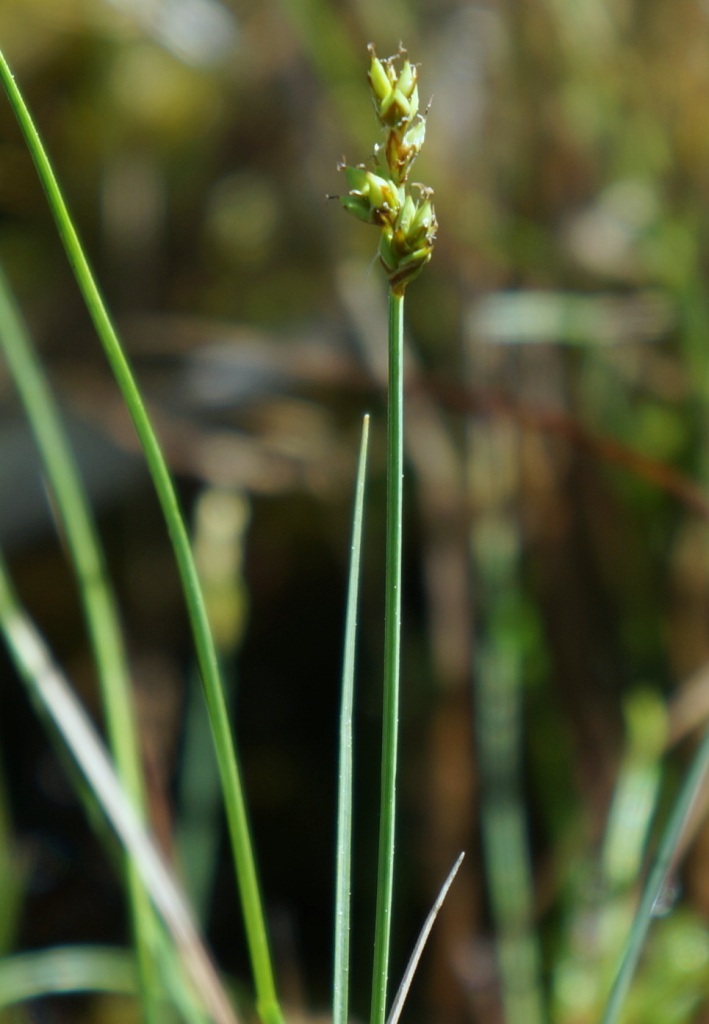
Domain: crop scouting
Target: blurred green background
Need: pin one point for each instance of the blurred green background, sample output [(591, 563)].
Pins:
[(558, 458)]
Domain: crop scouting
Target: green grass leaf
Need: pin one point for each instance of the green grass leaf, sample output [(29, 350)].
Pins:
[(343, 881), (230, 775)]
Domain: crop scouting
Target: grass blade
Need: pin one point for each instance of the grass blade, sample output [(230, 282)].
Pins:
[(220, 522), (96, 596), (400, 998), (87, 969), (67, 969), (56, 699), (230, 775), (343, 882), (659, 877)]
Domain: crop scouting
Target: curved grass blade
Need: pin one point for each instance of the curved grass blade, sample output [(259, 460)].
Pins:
[(56, 699), (235, 804), (343, 882), (97, 598), (67, 969), (62, 970), (652, 899), (400, 998)]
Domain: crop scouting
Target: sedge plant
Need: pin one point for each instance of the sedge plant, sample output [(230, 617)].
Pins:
[(380, 194)]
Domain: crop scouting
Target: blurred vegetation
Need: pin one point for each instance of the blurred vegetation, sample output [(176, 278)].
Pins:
[(557, 562)]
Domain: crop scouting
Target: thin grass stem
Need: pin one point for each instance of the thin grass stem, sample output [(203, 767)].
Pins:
[(392, 638), (266, 999), (343, 874), (96, 596)]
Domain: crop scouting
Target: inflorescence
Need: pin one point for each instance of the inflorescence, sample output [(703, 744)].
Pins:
[(382, 196)]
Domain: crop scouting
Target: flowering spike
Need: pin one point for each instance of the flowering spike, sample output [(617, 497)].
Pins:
[(381, 196)]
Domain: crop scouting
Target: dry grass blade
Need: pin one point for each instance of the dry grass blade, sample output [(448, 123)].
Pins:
[(413, 963), (58, 700)]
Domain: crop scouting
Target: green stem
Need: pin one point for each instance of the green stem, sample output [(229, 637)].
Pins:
[(392, 635), (96, 596), (343, 866), (267, 1002)]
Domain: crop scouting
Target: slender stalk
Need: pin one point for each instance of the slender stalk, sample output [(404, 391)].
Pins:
[(266, 998), (408, 225), (392, 635), (343, 880), (220, 523), (96, 596)]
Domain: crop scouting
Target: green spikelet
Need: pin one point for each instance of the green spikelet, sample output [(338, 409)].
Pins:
[(382, 195)]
